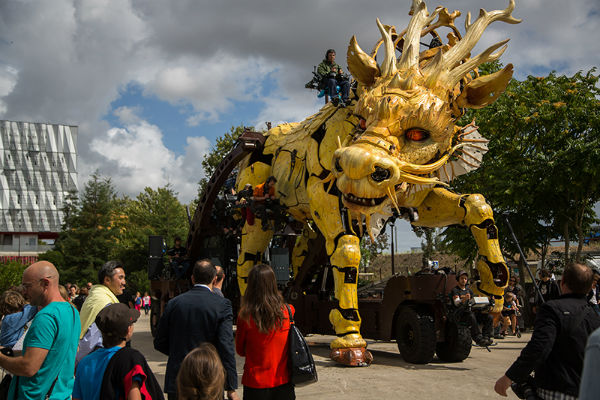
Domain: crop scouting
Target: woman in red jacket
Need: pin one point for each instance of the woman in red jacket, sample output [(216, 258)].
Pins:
[(262, 337)]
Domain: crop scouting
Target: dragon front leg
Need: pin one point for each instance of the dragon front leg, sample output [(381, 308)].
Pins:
[(254, 242), (344, 254), (442, 208), (345, 318)]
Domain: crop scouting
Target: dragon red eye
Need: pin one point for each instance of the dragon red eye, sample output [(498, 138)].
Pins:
[(416, 135), (362, 123)]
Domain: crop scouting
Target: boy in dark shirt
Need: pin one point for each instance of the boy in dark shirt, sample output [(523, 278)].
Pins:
[(460, 297), (120, 372)]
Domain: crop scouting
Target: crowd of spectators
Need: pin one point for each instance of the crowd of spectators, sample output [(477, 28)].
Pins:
[(61, 341), (64, 341), (46, 327)]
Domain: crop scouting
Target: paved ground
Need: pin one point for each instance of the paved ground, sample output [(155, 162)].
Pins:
[(389, 377)]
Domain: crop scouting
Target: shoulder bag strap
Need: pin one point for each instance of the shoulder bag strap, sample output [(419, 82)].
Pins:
[(289, 313)]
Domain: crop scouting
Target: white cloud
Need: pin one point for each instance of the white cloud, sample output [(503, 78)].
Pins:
[(128, 115), (140, 159), (296, 107), (66, 61), (8, 80), (209, 85)]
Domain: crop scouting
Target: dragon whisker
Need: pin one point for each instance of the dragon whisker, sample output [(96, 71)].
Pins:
[(349, 213), (360, 224), (393, 199), (368, 223)]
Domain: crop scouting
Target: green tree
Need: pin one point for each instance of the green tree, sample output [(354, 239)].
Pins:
[(430, 243), (88, 233), (11, 274), (370, 250), (138, 281), (542, 166), (224, 144), (152, 212)]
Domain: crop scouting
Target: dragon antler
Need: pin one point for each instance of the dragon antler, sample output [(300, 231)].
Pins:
[(447, 66), (446, 69), (412, 38)]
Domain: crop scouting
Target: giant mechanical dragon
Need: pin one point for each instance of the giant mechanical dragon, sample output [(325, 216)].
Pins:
[(346, 171)]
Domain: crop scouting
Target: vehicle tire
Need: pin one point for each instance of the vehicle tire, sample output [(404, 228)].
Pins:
[(457, 346), (415, 336)]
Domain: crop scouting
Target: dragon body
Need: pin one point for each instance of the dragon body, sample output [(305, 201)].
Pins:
[(344, 171)]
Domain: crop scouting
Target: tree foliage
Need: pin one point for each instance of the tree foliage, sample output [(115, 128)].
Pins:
[(430, 243), (100, 226), (370, 250), (224, 144), (10, 274), (541, 170), (88, 231), (152, 212)]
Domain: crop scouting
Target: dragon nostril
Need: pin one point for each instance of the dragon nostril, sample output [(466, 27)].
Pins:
[(338, 166), (381, 174)]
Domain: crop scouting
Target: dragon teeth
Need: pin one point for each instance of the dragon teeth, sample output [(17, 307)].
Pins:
[(361, 200)]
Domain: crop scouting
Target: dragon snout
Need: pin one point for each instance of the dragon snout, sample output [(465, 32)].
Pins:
[(381, 174), (359, 163)]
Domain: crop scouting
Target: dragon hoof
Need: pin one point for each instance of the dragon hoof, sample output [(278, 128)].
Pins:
[(349, 341), (353, 357)]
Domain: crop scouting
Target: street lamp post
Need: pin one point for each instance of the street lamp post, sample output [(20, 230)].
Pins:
[(393, 225)]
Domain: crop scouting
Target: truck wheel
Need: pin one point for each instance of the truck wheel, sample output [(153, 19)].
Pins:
[(457, 346), (415, 336)]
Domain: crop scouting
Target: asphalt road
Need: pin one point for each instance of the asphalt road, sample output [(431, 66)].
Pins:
[(389, 377)]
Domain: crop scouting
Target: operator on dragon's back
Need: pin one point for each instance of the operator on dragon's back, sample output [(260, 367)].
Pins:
[(333, 76), (263, 197)]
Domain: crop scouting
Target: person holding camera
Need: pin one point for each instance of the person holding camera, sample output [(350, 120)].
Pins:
[(556, 348), (263, 201), (461, 297), (177, 259), (333, 76)]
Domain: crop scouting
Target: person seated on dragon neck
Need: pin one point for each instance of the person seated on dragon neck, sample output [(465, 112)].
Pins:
[(333, 76)]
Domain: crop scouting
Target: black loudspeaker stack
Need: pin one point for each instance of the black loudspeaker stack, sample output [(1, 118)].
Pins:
[(156, 247)]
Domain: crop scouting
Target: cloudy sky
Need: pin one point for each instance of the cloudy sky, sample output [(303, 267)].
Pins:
[(152, 83)]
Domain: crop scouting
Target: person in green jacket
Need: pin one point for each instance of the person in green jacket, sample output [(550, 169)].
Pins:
[(332, 75)]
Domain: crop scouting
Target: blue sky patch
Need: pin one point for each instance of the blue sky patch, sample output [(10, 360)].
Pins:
[(171, 119)]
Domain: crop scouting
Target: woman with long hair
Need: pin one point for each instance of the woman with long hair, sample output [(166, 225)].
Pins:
[(262, 337), (201, 375)]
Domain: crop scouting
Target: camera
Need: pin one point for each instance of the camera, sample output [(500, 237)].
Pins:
[(7, 351), (525, 390)]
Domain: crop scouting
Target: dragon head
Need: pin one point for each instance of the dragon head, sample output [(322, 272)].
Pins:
[(408, 106)]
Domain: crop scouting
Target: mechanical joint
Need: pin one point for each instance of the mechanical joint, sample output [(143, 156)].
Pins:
[(477, 210), (350, 274)]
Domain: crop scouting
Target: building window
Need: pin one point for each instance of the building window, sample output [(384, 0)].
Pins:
[(7, 240)]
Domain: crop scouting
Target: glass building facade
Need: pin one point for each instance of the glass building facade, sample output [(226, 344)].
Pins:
[(38, 169)]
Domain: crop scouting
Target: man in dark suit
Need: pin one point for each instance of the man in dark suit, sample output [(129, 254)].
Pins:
[(194, 317)]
